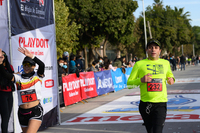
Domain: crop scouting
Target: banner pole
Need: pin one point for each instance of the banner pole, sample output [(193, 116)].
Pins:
[(11, 61), (58, 96)]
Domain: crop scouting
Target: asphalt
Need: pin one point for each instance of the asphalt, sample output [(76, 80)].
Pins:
[(79, 108)]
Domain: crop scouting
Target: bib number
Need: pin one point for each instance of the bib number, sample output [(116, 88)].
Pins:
[(154, 85), (28, 96)]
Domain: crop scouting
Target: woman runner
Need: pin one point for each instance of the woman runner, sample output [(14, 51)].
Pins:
[(30, 112)]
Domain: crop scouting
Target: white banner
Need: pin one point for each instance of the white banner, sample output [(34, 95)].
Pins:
[(41, 42), (4, 45)]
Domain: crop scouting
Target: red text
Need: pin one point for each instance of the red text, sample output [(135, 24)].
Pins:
[(33, 42)]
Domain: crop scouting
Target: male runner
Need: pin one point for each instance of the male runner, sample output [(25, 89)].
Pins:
[(151, 75)]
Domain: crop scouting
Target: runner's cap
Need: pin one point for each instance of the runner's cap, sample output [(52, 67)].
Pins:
[(153, 41), (28, 59)]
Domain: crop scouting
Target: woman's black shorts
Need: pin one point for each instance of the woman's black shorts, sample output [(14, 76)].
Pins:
[(25, 115)]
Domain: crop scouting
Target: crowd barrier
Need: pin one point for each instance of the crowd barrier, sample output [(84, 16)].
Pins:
[(92, 84)]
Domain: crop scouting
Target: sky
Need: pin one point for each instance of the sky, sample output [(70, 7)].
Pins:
[(192, 6)]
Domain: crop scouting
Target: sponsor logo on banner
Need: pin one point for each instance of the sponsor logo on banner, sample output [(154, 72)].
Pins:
[(20, 69), (1, 2), (105, 83), (118, 79), (47, 100), (34, 43), (48, 67), (30, 9), (88, 82), (74, 85), (49, 83)]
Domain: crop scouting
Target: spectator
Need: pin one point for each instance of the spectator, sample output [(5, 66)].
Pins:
[(131, 64), (110, 67), (197, 60), (83, 61), (178, 63), (92, 67), (79, 63), (182, 60), (72, 64), (6, 98), (173, 64), (117, 62), (61, 73), (193, 60), (101, 62), (66, 58), (97, 65), (135, 59), (124, 62), (189, 60), (65, 68)]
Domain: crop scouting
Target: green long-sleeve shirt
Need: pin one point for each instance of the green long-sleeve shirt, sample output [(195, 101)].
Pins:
[(160, 71)]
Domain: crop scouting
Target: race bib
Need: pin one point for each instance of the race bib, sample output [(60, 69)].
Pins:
[(154, 85), (28, 96)]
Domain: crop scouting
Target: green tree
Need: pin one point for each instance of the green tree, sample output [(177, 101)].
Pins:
[(66, 31), (196, 32), (103, 20), (170, 26)]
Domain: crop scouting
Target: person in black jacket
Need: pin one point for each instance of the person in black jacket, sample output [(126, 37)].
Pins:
[(79, 63), (182, 61), (61, 73), (6, 98)]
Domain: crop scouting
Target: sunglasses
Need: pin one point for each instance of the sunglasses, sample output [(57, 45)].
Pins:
[(27, 64)]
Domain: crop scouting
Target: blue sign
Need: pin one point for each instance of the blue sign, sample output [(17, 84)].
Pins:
[(118, 79), (104, 82), (127, 74)]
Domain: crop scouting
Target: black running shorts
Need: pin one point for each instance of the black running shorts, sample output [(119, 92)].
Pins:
[(25, 115)]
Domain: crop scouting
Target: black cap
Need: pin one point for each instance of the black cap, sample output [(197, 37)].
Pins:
[(28, 59), (153, 41)]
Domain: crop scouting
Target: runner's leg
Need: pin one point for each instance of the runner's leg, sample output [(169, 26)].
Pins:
[(147, 118), (33, 126), (159, 116)]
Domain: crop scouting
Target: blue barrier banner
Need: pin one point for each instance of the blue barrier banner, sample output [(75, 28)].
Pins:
[(104, 83), (118, 79), (127, 74)]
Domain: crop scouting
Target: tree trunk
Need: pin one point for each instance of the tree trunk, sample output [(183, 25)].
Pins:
[(86, 59), (127, 58), (91, 55), (104, 47), (96, 50)]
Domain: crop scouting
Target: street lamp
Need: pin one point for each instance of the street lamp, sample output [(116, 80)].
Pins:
[(145, 34)]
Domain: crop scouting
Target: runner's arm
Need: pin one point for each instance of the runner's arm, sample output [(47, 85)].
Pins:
[(41, 67)]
